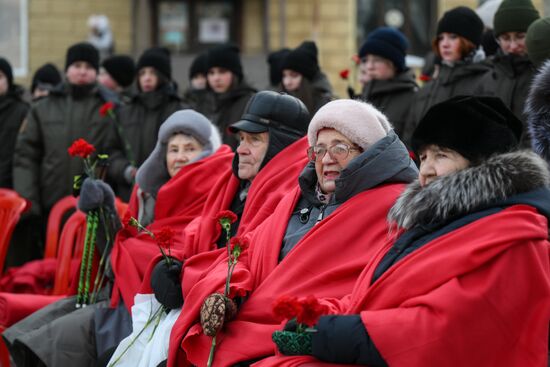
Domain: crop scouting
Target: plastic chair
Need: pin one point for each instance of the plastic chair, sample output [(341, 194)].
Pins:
[(11, 208), (54, 224)]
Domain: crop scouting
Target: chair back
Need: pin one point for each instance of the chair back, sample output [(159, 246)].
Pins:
[(11, 208), (54, 224), (70, 245)]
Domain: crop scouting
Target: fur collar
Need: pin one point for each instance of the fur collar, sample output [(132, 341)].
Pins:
[(458, 194), (537, 109)]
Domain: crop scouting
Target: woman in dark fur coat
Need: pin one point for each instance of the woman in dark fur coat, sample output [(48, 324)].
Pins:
[(537, 109), (466, 283)]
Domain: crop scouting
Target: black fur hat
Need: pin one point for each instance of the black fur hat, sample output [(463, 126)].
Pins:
[(82, 51), (158, 58), (226, 56), (275, 59), (475, 127), (46, 76), (121, 68), (303, 59), (199, 65)]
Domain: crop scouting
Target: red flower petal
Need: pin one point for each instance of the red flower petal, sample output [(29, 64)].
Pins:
[(312, 309), (226, 215), (344, 74), (106, 108), (286, 308), (81, 148)]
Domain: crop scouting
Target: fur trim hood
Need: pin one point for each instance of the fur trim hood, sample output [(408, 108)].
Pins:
[(537, 109), (468, 190)]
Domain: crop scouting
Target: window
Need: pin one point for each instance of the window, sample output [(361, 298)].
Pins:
[(13, 34)]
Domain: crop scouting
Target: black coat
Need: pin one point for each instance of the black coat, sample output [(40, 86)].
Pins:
[(461, 79), (394, 97), (13, 111), (510, 80)]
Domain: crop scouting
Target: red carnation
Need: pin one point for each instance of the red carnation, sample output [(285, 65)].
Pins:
[(106, 109), (344, 74), (311, 310), (425, 78), (240, 242), (164, 237), (356, 59), (81, 148), (286, 308), (226, 216)]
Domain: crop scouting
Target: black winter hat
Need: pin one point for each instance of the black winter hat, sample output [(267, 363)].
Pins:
[(82, 51), (462, 21), (158, 58), (199, 65), (121, 68), (538, 47), (5, 68), (514, 16), (303, 60), (388, 43), (271, 110), (46, 76), (275, 60), (475, 127), (225, 56)]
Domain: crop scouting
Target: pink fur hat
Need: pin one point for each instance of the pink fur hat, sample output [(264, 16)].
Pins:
[(360, 122)]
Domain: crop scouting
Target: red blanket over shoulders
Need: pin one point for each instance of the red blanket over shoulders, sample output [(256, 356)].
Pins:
[(178, 202), (325, 263), (272, 183), (477, 296)]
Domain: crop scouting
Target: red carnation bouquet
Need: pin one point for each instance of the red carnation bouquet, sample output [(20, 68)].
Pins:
[(306, 310), (81, 148)]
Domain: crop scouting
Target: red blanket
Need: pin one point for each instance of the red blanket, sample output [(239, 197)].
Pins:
[(477, 296), (274, 181), (178, 202), (325, 263)]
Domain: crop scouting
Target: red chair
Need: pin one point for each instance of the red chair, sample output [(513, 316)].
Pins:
[(54, 228), (11, 208)]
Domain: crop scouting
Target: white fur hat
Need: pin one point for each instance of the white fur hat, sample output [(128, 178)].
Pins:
[(360, 122)]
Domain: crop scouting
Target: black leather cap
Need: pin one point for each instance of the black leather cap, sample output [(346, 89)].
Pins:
[(271, 110)]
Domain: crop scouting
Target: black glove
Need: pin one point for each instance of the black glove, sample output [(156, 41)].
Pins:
[(166, 283), (96, 193)]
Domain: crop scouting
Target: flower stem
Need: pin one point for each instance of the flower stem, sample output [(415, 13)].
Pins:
[(157, 313), (212, 349), (84, 262)]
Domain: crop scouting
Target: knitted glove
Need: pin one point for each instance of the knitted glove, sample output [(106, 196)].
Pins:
[(95, 193), (291, 343), (215, 310), (166, 283)]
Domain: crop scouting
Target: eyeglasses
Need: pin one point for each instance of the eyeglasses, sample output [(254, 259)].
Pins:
[(338, 151)]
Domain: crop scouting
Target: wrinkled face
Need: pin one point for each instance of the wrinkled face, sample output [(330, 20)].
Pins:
[(181, 150), (4, 85), (81, 73), (513, 43), (219, 79), (328, 168), (107, 81), (148, 79), (251, 150), (449, 46), (436, 161), (198, 81), (379, 68), (291, 80)]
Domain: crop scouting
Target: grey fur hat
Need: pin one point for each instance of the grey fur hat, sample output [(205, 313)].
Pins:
[(537, 110), (153, 173)]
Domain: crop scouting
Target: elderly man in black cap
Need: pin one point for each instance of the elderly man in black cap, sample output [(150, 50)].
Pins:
[(43, 170)]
